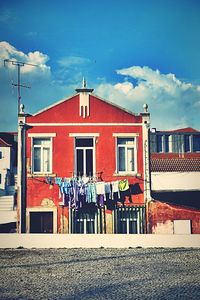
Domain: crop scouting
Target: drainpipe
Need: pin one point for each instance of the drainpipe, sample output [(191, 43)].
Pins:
[(146, 161), (21, 171)]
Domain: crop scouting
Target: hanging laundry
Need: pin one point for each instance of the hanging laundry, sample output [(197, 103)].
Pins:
[(115, 186), (100, 201), (135, 189), (91, 195), (81, 193), (115, 190), (108, 189), (124, 191), (100, 188), (123, 185), (49, 180), (58, 180)]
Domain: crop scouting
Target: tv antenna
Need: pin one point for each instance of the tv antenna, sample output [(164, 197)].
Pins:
[(19, 64)]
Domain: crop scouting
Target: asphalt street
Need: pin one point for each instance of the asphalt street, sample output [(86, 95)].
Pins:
[(139, 273)]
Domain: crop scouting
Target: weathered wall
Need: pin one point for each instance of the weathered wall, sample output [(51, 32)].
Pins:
[(161, 216)]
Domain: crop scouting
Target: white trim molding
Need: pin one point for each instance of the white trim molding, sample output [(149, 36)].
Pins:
[(41, 134), (125, 134), (85, 124), (84, 134)]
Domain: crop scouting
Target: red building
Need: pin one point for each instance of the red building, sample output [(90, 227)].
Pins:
[(84, 167)]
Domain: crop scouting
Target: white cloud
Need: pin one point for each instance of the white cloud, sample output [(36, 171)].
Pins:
[(69, 61), (154, 79), (36, 58), (125, 87), (172, 102)]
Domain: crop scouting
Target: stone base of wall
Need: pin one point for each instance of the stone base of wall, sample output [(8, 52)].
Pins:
[(98, 240)]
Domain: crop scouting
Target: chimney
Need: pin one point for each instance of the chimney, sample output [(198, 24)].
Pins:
[(84, 100)]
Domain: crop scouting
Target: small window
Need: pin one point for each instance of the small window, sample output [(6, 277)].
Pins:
[(0, 178), (126, 155), (42, 155), (1, 155), (159, 143), (196, 143)]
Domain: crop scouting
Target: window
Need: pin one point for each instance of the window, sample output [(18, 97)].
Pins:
[(130, 220), (85, 222), (0, 178), (126, 155), (187, 143), (159, 143), (42, 153), (196, 143), (41, 222), (168, 143), (84, 156), (1, 155)]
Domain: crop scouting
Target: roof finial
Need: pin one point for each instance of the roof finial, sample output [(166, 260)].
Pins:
[(84, 83), (84, 88)]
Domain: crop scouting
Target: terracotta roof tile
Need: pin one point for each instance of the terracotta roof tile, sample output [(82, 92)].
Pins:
[(175, 165), (186, 129)]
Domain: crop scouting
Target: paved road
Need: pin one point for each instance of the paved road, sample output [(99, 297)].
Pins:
[(100, 274)]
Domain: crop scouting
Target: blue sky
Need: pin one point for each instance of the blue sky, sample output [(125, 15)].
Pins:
[(131, 52)]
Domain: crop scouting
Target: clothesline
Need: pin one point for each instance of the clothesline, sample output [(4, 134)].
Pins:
[(79, 192)]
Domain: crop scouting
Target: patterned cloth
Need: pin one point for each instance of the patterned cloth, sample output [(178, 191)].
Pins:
[(123, 185)]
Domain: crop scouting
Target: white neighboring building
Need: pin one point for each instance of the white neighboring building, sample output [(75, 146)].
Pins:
[(8, 167), (175, 166)]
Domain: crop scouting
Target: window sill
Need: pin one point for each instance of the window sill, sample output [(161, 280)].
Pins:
[(41, 175), (127, 174)]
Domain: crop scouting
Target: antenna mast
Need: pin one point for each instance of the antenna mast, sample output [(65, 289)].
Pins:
[(18, 84)]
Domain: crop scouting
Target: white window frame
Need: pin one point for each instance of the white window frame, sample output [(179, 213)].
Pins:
[(133, 146), (169, 143), (42, 136), (82, 136)]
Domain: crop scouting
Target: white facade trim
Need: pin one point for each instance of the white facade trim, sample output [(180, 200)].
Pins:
[(84, 134), (84, 124), (125, 134), (41, 134)]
